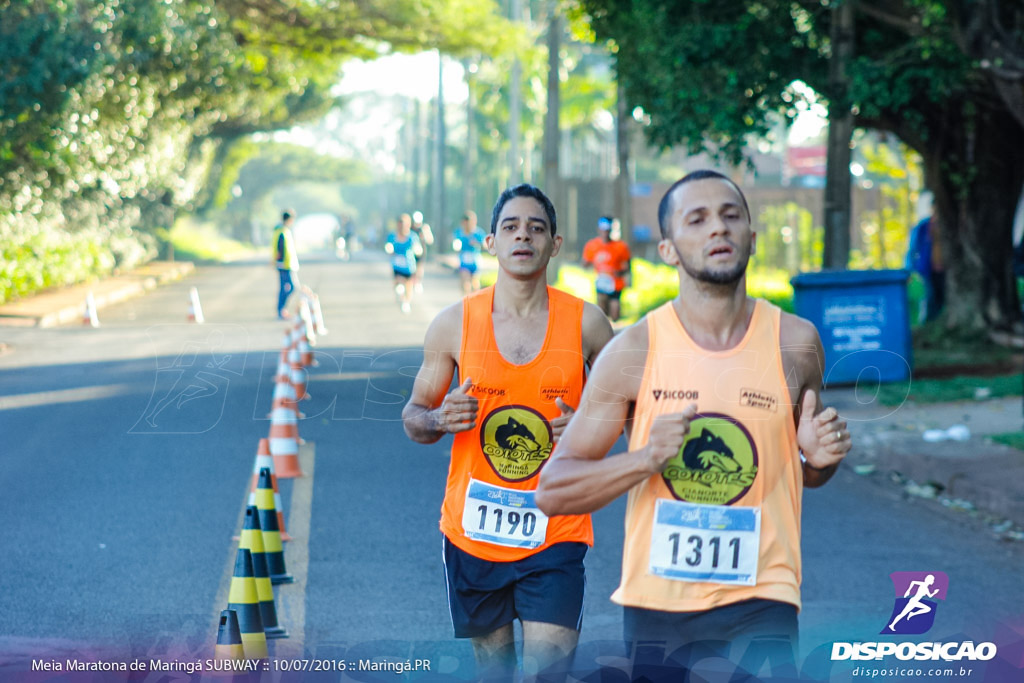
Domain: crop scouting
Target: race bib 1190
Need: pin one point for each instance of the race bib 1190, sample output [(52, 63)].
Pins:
[(507, 517)]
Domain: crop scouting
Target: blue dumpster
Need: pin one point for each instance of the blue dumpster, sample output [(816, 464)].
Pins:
[(863, 321)]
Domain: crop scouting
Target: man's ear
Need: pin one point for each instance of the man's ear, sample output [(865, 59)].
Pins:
[(557, 241), (489, 244), (753, 243), (667, 252)]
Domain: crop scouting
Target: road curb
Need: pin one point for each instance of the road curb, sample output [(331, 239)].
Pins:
[(62, 306)]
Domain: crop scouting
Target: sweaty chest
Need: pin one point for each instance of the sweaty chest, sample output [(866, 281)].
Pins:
[(520, 339)]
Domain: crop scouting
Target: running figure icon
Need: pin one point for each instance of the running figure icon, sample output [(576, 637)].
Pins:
[(915, 606)]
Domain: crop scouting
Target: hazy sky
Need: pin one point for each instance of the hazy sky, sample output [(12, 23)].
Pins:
[(411, 75), (371, 131)]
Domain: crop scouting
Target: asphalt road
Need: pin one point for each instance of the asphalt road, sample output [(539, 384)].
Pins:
[(126, 451)]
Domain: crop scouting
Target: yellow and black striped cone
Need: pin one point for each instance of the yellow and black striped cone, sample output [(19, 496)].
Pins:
[(244, 599), (252, 539), (271, 533), (229, 638)]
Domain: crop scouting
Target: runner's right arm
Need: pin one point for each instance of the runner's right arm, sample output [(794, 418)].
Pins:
[(431, 412), (579, 478)]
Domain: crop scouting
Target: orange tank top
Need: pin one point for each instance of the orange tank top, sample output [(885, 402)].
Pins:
[(722, 522), (488, 508)]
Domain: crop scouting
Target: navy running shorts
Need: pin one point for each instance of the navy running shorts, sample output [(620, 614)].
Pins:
[(751, 634), (483, 595)]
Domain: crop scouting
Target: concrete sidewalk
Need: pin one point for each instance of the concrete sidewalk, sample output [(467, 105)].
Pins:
[(65, 305), (976, 475)]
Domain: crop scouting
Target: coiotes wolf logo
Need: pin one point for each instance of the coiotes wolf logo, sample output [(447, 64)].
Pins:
[(516, 440), (709, 452), (717, 463)]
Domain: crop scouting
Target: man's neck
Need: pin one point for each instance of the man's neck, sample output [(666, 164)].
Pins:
[(520, 297), (715, 316)]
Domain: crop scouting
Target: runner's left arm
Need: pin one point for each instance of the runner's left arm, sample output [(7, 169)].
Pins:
[(821, 433), (597, 332)]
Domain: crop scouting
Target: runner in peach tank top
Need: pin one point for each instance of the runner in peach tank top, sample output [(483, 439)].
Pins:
[(719, 393), (741, 453)]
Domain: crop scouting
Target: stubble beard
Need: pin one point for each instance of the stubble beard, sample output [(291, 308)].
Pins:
[(712, 277)]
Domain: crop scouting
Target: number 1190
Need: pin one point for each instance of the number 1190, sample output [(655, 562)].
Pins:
[(509, 522)]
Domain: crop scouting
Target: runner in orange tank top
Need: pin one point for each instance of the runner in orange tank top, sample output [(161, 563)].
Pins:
[(726, 428), (610, 258), (520, 349)]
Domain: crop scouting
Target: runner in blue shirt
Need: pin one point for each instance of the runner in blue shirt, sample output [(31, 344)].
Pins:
[(404, 247), (468, 243)]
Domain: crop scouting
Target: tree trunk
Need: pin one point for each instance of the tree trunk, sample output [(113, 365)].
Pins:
[(840, 130), (976, 176), (440, 224), (469, 161), (552, 140), (623, 208), (514, 103)]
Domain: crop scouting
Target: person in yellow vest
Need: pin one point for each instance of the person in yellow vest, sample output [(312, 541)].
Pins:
[(520, 349), (286, 260), (726, 429)]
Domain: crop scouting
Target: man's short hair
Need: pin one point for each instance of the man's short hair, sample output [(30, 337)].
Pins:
[(469, 216), (524, 190), (665, 206), (286, 214)]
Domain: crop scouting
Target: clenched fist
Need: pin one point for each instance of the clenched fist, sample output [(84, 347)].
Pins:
[(668, 432)]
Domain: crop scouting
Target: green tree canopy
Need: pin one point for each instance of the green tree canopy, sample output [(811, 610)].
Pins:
[(943, 75), (112, 112)]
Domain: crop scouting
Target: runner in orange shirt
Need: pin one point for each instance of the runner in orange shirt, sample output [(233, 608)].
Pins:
[(520, 349), (610, 258)]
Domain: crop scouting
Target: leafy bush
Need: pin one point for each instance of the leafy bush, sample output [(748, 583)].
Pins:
[(193, 241), (37, 257), (654, 284)]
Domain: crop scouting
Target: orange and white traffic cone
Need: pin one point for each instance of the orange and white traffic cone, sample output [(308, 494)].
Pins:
[(283, 387), (305, 352), (284, 448), (306, 316), (284, 370), (318, 317), (195, 309), (298, 375), (89, 316)]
